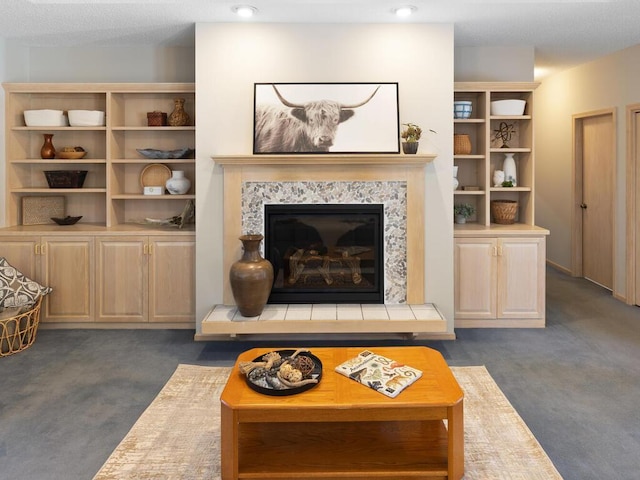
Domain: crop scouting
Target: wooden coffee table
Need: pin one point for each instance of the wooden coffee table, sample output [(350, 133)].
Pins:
[(341, 429)]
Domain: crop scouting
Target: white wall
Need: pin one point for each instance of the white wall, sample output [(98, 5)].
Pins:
[(609, 82), (230, 58), (494, 64)]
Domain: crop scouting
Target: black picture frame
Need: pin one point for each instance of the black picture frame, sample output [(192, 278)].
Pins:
[(297, 118)]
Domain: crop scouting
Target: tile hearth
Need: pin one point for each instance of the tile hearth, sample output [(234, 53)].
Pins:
[(327, 318)]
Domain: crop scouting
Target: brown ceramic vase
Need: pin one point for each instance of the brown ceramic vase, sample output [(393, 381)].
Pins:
[(178, 118), (48, 150), (251, 278)]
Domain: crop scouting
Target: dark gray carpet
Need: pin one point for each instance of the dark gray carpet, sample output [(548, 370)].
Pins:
[(68, 401)]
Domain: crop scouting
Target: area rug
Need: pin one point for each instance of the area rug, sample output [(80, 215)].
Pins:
[(178, 435)]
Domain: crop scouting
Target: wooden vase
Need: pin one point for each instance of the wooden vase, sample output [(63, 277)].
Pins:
[(48, 150), (178, 117), (251, 278)]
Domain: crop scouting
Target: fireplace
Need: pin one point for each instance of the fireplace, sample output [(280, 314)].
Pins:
[(325, 253)]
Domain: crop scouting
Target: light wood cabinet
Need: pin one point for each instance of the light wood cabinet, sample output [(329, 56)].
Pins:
[(499, 281), (64, 263), (112, 193), (146, 279), (476, 169)]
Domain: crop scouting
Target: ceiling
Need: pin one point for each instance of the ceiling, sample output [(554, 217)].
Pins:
[(564, 33)]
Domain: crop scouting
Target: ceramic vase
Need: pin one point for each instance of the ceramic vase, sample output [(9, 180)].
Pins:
[(48, 150), (178, 117), (456, 183), (498, 178), (410, 147), (509, 168), (178, 184), (461, 219), (251, 278)]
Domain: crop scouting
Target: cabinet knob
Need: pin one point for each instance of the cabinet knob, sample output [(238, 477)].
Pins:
[(583, 206)]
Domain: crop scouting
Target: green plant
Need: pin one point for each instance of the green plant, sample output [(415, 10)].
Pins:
[(464, 209), (507, 183), (412, 133)]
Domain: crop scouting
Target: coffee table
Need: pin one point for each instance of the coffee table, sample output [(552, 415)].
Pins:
[(341, 429)]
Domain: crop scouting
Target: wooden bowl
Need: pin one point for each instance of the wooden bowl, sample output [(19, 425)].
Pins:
[(70, 155)]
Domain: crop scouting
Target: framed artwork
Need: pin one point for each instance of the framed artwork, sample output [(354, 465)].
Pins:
[(312, 118)]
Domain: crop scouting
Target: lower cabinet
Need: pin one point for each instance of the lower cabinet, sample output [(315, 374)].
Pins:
[(121, 279), (64, 263), (499, 281), (146, 279)]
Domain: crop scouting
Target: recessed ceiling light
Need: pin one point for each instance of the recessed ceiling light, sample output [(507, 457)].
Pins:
[(404, 11), (244, 11)]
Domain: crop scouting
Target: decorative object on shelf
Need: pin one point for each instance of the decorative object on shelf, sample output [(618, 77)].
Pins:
[(462, 109), (411, 134), (178, 118), (512, 107), (165, 154), (456, 183), (155, 175), (462, 211), (178, 184), (509, 167), (45, 118), (508, 183), (498, 178), (47, 150), (504, 132), (71, 153), (39, 210), (86, 118), (187, 216), (65, 178), (251, 277), (68, 220), (461, 144), (504, 211), (282, 372), (156, 119), (153, 190)]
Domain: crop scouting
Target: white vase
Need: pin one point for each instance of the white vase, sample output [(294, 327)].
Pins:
[(509, 167), (178, 184), (498, 178), (456, 183)]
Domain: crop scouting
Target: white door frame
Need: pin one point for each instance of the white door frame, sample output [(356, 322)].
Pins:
[(632, 209), (577, 190)]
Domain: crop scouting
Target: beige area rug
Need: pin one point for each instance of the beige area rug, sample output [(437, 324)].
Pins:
[(178, 436)]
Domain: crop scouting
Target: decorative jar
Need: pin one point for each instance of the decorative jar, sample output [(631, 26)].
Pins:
[(178, 184), (251, 278)]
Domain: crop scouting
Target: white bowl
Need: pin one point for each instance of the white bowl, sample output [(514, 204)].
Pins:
[(45, 118), (508, 107), (86, 118)]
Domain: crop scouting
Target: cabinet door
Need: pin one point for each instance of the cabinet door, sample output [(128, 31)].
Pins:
[(521, 278), (68, 267), (172, 279), (122, 272), (475, 278), (23, 254)]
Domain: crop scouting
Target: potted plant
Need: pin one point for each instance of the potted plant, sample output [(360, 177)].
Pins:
[(411, 134), (462, 211)]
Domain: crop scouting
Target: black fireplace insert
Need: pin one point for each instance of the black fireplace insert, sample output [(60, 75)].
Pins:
[(325, 253)]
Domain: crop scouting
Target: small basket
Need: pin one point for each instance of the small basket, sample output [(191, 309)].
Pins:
[(461, 144), (65, 178), (19, 332), (157, 119), (504, 211)]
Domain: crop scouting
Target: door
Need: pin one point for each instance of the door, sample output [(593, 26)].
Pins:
[(122, 278), (475, 278), (172, 286), (595, 180)]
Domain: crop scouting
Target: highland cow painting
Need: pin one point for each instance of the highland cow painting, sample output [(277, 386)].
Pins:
[(317, 118)]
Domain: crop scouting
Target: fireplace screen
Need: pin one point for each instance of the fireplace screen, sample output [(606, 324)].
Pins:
[(325, 253)]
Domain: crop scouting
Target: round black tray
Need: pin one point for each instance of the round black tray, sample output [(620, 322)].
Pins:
[(316, 373)]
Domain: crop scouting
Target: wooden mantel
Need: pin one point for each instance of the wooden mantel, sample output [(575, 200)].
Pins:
[(239, 169)]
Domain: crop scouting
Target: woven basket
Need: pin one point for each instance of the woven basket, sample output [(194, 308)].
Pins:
[(19, 332), (504, 211), (156, 119), (461, 144)]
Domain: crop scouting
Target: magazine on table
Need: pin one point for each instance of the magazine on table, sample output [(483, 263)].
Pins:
[(380, 373)]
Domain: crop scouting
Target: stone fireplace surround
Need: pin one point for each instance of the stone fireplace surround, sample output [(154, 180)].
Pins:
[(251, 181)]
